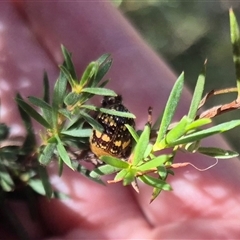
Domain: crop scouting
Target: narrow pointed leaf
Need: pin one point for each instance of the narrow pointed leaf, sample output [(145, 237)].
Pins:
[(4, 131), (68, 62), (217, 152), (89, 72), (100, 91), (95, 124), (63, 154), (120, 175), (109, 111), (198, 123), (86, 132), (68, 76), (155, 193), (59, 91), (60, 166), (6, 180), (148, 151), (103, 69), (47, 154), (46, 97), (170, 107), (155, 182), (46, 92), (178, 131), (197, 95), (65, 113), (32, 112), (115, 162), (103, 58), (37, 186), (154, 163), (133, 132), (85, 172), (45, 181), (223, 127), (235, 39), (39, 103), (30, 140), (129, 177), (72, 98), (58, 97), (141, 146), (103, 170)]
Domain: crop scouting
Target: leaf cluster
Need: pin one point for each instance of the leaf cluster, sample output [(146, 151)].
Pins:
[(65, 119), (67, 123), (146, 163)]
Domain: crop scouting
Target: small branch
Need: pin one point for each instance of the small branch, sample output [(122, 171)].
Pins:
[(216, 92), (217, 110)]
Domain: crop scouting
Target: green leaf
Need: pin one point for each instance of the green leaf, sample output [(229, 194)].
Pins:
[(109, 111), (115, 162), (217, 152), (4, 131), (102, 58), (103, 69), (148, 151), (192, 147), (153, 163), (58, 97), (100, 91), (155, 193), (60, 166), (32, 112), (89, 72), (30, 141), (223, 127), (95, 124), (45, 181), (104, 83), (68, 76), (197, 95), (235, 39), (103, 170), (129, 177), (47, 154), (198, 123), (68, 62), (46, 92), (72, 98), (65, 113), (39, 103), (163, 171), (133, 132), (178, 131), (141, 146), (86, 132), (37, 186), (6, 180), (155, 182), (85, 172), (63, 153), (170, 107), (59, 91), (46, 97), (120, 175), (117, 113)]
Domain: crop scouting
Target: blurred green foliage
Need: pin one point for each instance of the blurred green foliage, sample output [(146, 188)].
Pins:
[(185, 33)]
